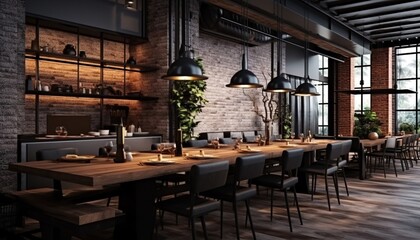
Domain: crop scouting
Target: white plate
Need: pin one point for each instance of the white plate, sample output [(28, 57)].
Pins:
[(249, 150), (157, 162)]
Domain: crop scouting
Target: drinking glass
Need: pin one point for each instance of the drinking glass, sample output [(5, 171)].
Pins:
[(292, 135), (301, 136), (108, 148)]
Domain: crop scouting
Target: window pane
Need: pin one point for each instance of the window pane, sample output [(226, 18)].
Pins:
[(357, 77), (406, 66), (358, 61), (406, 101), (406, 50), (325, 62), (366, 59), (406, 117), (366, 76)]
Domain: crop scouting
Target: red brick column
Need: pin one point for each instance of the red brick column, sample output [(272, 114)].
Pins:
[(345, 102), (381, 77)]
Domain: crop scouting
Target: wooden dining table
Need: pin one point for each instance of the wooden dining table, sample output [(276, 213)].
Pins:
[(137, 177)]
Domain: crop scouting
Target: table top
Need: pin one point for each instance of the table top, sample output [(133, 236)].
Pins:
[(103, 171)]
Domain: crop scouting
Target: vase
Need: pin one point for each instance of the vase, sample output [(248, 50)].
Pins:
[(267, 125), (373, 136)]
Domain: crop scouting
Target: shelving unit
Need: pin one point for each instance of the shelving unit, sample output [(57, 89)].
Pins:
[(99, 64)]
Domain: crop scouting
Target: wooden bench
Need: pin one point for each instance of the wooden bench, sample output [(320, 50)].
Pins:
[(61, 218)]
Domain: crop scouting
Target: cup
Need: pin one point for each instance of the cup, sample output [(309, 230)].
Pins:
[(46, 88), (128, 156)]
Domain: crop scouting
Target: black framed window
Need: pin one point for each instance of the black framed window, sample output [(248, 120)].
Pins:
[(362, 80), (322, 88)]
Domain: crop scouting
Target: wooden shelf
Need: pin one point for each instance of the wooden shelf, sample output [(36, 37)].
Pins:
[(93, 62), (84, 95)]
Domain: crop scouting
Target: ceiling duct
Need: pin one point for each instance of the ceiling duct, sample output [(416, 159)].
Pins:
[(228, 25)]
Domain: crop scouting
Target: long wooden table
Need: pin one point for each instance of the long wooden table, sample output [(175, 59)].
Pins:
[(138, 189)]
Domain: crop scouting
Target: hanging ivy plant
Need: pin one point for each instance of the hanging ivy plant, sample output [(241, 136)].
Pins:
[(189, 100)]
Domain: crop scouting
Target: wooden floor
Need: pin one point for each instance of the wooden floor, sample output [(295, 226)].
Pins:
[(378, 208)]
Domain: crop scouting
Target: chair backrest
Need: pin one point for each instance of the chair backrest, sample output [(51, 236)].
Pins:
[(226, 140), (355, 146), (248, 167), (208, 176), (292, 159), (345, 148), (54, 154), (391, 142), (198, 143), (333, 151)]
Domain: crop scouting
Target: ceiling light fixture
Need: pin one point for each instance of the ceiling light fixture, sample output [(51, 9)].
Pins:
[(244, 78), (306, 89), (280, 83), (185, 68)]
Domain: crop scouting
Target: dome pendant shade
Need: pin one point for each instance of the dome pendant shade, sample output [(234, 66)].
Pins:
[(185, 69), (244, 78), (306, 89), (280, 83)]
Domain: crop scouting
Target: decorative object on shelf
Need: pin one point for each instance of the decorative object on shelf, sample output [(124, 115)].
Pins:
[(29, 84), (188, 99), (244, 78), (69, 50), (35, 44), (185, 68), (120, 156), (366, 123), (82, 54), (131, 61)]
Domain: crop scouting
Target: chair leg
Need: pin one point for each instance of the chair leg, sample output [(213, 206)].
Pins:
[(312, 187), (203, 224), (192, 227), (221, 219), (235, 212), (271, 204), (250, 219), (297, 205), (326, 189), (288, 210), (337, 192), (345, 181)]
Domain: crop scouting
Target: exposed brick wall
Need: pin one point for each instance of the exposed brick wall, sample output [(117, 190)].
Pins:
[(11, 86), (381, 77), (345, 102)]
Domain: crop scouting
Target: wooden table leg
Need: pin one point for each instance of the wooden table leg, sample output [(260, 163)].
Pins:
[(137, 201)]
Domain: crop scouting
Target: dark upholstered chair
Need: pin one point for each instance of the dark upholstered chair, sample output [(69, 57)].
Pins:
[(197, 143), (246, 167), (290, 161), (326, 169), (386, 154), (226, 141), (203, 177)]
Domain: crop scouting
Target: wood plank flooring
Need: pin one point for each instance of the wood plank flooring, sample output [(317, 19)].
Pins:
[(377, 208)]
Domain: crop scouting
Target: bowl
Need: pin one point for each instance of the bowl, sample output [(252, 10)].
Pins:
[(129, 134), (104, 132), (94, 133)]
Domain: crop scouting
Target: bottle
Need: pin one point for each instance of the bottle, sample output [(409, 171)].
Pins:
[(120, 156), (309, 136), (29, 83), (178, 143)]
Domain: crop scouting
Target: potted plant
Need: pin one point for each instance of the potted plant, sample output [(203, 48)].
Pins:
[(366, 123), (189, 100), (406, 127)]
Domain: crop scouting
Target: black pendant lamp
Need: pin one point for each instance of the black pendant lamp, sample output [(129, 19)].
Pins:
[(185, 67), (306, 89), (280, 83), (244, 78)]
